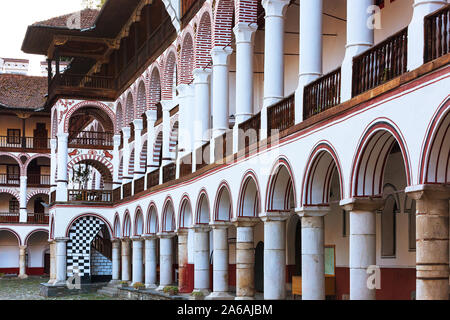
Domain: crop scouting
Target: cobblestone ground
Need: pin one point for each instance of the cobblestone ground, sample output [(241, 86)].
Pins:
[(28, 289)]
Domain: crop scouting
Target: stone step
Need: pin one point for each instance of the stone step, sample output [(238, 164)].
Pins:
[(109, 293)]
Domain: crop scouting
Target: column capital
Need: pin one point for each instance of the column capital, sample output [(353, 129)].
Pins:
[(246, 221), (126, 133), (63, 136), (275, 8), (201, 228), (220, 224), (166, 235), (61, 239), (220, 55), (428, 192), (182, 231), (115, 240), (362, 204), (201, 76), (313, 211), (275, 216), (53, 143), (116, 140), (151, 115), (149, 236), (23, 178), (136, 239), (244, 33), (125, 240), (166, 105), (138, 124), (23, 247)]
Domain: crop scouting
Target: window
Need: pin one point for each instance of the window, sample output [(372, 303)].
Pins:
[(412, 226), (13, 206), (13, 136), (388, 236)]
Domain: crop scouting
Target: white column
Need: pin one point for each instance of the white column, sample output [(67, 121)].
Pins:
[(61, 191), (359, 38), (183, 120), (138, 126), (220, 262), (61, 265), (201, 259), (166, 260), (126, 260), (274, 255), (416, 28), (22, 265), (313, 260), (362, 244), (52, 262), (310, 66), (23, 199), (53, 164), (115, 261), (273, 57), (138, 263), (126, 154), (202, 106), (166, 107), (221, 113), (150, 262), (151, 119)]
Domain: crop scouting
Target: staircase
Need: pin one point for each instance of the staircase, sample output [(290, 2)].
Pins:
[(110, 290)]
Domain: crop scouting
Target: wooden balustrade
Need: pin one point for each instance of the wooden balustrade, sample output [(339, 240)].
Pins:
[(203, 154), (9, 217), (383, 62), (9, 180), (117, 194), (127, 190), (437, 34), (322, 94), (91, 139), (99, 196), (37, 218), (281, 116), (169, 172), (84, 81), (223, 145), (37, 143), (139, 185), (249, 131), (186, 165), (153, 179), (38, 180)]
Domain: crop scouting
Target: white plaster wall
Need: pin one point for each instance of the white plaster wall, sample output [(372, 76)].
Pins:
[(37, 245), (9, 250)]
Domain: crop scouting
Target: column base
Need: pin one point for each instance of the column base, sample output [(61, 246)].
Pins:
[(114, 282), (59, 284), (161, 287), (151, 286), (205, 292), (244, 298), (51, 281), (22, 276), (220, 296)]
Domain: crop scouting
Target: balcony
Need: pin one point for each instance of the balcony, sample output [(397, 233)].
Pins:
[(37, 218), (437, 35), (38, 180), (250, 129), (139, 185), (226, 142), (152, 179), (9, 217), (92, 196), (8, 180), (16, 144), (91, 140), (169, 172), (202, 155), (127, 189), (186, 165), (281, 116)]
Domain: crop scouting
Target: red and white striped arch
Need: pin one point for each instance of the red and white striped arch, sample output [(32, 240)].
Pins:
[(371, 155), (13, 192), (186, 60), (222, 23), (100, 163), (170, 65), (157, 146), (96, 104), (129, 109), (154, 86), (203, 39), (34, 193), (141, 103)]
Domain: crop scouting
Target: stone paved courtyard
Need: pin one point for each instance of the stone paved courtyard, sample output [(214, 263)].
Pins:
[(15, 289)]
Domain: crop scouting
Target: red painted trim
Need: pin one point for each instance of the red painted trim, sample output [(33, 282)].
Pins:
[(224, 186), (14, 233), (150, 213)]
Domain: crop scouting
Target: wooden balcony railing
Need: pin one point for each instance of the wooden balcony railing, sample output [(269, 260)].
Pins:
[(127, 190), (381, 63), (249, 131), (437, 34), (91, 139), (117, 194), (9, 217), (37, 218), (186, 165), (169, 172), (9, 180), (83, 81), (36, 180), (203, 154), (152, 179), (139, 185), (25, 142), (99, 196), (322, 94), (281, 116), (224, 145)]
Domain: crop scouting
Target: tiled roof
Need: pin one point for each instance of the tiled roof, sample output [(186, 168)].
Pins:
[(20, 91), (88, 17)]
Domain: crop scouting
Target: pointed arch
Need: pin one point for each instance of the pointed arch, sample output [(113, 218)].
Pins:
[(117, 233), (170, 71), (281, 190), (203, 42), (119, 118), (126, 229), (129, 109), (154, 87), (249, 203), (152, 219), (141, 103), (139, 227), (223, 23), (168, 216), (185, 213), (223, 204), (202, 211), (186, 75)]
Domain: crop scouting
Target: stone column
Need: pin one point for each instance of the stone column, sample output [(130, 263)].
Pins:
[(126, 155), (52, 262), (138, 263), (116, 160), (138, 126), (245, 258), (151, 119), (274, 255), (416, 29), (202, 106), (313, 260), (23, 199), (61, 263), (115, 261), (22, 265), (126, 260), (432, 233), (273, 57), (53, 164), (184, 142), (201, 259), (61, 191), (359, 38), (220, 262), (166, 107), (150, 262), (310, 66), (183, 260), (362, 244), (166, 260)]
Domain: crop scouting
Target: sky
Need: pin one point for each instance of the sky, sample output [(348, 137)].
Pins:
[(17, 15)]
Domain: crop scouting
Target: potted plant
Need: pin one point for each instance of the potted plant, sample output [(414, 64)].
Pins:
[(138, 286), (197, 295), (123, 284), (171, 290)]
